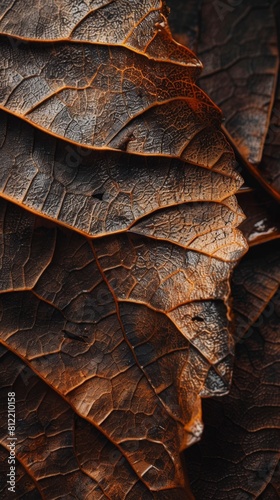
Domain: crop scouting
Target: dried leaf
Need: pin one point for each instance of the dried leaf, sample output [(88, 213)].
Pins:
[(99, 193), (240, 76), (254, 284), (239, 454), (121, 319), (92, 320), (59, 453), (269, 166), (240, 56), (107, 97), (140, 26)]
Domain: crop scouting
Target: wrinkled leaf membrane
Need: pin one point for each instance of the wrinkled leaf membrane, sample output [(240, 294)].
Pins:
[(118, 241), (238, 456), (239, 452)]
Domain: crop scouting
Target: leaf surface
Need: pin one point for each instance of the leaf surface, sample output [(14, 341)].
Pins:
[(115, 282), (238, 43), (269, 167), (239, 454), (97, 193), (139, 26), (102, 325), (241, 60), (112, 98)]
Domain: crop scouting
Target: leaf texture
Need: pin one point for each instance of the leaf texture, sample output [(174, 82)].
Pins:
[(106, 99), (97, 193), (240, 54), (48, 429), (269, 167), (239, 455), (118, 240), (91, 320), (238, 43), (141, 27)]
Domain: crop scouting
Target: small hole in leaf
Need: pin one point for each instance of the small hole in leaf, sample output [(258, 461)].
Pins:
[(197, 318), (124, 144), (99, 196)]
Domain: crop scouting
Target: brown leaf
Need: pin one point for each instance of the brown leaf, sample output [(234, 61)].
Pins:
[(239, 454), (99, 193), (254, 284), (92, 321), (139, 26), (269, 166), (110, 97), (56, 448), (240, 76), (126, 326), (240, 56)]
